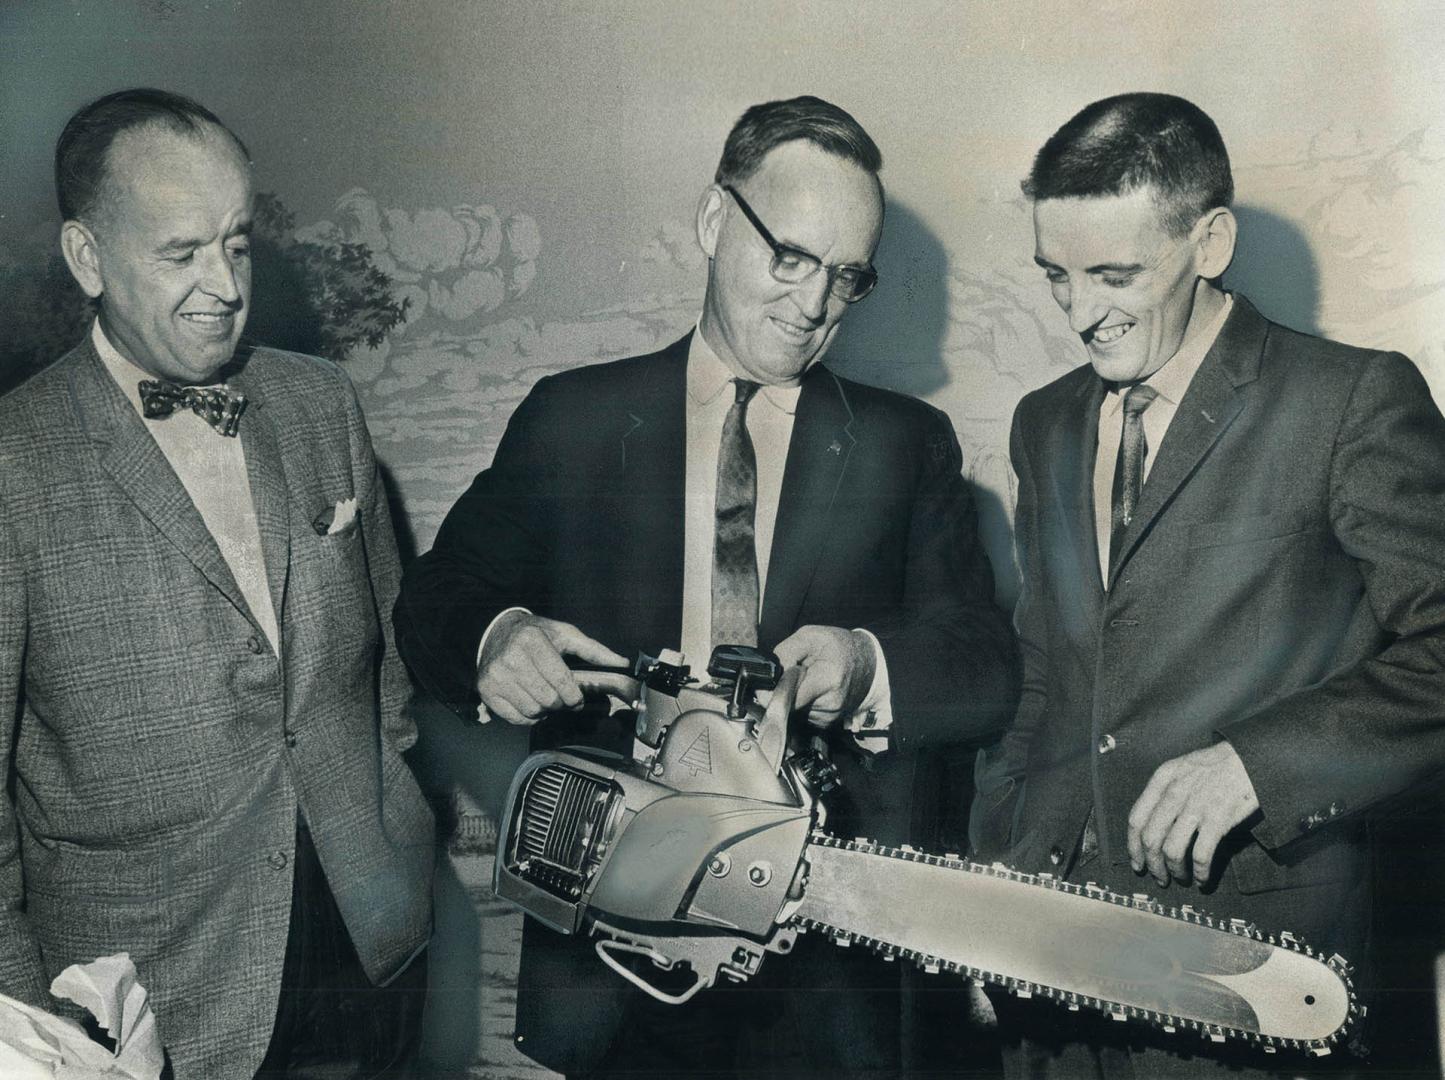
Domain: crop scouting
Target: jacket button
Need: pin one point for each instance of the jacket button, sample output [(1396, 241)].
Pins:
[(277, 860), (254, 644), (290, 738), (1106, 743), (1056, 855)]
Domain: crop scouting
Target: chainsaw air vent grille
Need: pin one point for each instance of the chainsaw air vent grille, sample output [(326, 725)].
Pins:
[(559, 827)]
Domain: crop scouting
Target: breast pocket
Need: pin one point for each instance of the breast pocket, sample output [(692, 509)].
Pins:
[(120, 875), (1247, 530), (332, 583)]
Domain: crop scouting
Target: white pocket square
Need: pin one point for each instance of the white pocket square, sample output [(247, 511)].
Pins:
[(336, 519)]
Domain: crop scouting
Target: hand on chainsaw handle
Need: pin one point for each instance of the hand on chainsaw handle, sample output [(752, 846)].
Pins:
[(838, 668), (1195, 799), (522, 677)]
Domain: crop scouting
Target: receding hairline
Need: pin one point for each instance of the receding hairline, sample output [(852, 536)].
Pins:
[(826, 151), (102, 205)]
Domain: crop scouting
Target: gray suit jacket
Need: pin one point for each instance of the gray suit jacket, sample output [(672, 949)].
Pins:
[(1282, 586), (158, 750)]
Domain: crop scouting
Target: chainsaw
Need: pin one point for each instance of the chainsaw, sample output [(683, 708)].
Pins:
[(706, 850)]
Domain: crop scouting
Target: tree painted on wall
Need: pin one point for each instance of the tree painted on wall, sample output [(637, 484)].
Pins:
[(43, 313), (323, 295)]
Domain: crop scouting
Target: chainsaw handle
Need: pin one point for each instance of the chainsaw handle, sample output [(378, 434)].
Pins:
[(607, 946), (771, 732), (604, 682)]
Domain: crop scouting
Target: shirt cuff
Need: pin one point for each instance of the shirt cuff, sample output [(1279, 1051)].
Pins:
[(482, 715), (871, 725)]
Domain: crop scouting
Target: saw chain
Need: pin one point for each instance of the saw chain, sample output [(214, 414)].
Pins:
[(1237, 929)]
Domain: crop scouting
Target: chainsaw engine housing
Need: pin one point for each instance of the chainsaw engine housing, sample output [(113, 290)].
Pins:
[(650, 851)]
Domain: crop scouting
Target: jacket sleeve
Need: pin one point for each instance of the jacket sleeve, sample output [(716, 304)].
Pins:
[(1378, 726), (1000, 768), (952, 664), (384, 568), (489, 555), (22, 972)]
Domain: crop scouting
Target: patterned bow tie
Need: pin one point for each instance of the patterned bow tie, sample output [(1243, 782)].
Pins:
[(216, 405)]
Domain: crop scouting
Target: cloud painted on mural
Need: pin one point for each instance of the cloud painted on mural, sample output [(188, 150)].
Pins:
[(1373, 220), (456, 262)]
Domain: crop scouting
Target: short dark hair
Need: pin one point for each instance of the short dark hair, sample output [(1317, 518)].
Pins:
[(773, 123), (1124, 143), (83, 150)]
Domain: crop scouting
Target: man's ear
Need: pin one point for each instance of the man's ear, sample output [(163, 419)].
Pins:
[(1214, 238), (82, 255), (709, 219)]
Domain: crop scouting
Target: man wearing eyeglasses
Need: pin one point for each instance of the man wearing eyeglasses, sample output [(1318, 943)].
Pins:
[(730, 489)]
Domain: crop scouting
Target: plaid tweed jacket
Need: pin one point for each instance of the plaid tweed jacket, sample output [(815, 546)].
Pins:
[(158, 749)]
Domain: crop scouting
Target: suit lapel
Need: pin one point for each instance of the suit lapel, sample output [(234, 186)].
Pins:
[(131, 457), (266, 473), (818, 455), (1208, 407), (653, 479), (1075, 446)]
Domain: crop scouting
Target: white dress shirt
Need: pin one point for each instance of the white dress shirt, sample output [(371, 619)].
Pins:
[(1170, 381), (212, 469), (770, 426)]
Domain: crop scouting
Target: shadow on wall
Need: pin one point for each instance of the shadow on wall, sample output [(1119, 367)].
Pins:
[(42, 310), (1274, 266), (400, 520), (465, 770), (894, 338)]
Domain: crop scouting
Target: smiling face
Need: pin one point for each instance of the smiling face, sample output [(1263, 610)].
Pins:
[(1128, 287), (169, 252), (809, 199)]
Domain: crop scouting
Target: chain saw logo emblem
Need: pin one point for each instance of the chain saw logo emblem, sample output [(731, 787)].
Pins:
[(698, 756)]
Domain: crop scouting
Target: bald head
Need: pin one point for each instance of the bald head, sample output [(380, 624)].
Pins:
[(83, 154)]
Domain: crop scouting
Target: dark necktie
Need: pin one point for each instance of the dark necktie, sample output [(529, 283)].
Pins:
[(1129, 469), (735, 558), (216, 405)]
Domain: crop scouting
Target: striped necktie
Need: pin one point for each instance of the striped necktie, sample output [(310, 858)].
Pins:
[(735, 558), (1129, 469)]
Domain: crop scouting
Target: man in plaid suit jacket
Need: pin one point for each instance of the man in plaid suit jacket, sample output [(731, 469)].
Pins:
[(203, 710)]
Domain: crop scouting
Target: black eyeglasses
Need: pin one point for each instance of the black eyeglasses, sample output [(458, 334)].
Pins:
[(792, 265)]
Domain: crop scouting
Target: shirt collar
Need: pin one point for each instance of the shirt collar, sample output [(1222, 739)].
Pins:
[(1173, 379), (708, 376), (127, 375)]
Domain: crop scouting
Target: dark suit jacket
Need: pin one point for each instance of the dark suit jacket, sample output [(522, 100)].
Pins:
[(580, 517), (158, 748), (1282, 586)]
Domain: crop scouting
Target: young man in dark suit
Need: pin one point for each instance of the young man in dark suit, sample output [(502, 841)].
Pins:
[(1232, 538), (730, 489), (203, 712)]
